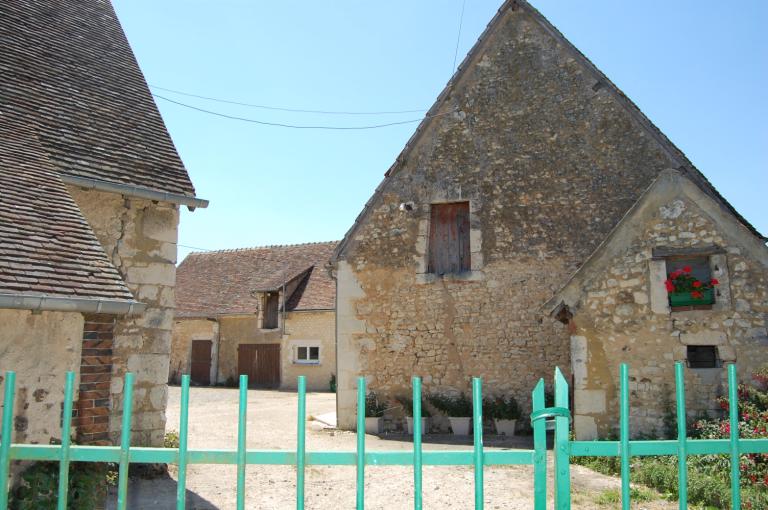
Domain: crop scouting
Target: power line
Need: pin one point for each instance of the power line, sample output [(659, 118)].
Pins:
[(294, 126), (458, 36), (194, 247), (283, 109)]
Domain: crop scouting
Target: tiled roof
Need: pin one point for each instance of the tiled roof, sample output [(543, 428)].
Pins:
[(46, 246), (228, 282), (67, 68)]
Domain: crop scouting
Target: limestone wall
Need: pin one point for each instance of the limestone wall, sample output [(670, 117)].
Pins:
[(309, 328), (625, 318), (549, 161), (184, 332), (140, 238), (40, 348)]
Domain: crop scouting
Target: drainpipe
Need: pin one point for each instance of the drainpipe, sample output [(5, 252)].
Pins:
[(66, 304), (135, 191), (283, 311)]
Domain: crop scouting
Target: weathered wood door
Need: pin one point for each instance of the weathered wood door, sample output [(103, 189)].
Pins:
[(260, 362), (200, 369), (449, 249)]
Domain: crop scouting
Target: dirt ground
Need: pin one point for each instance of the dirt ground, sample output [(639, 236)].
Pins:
[(272, 425)]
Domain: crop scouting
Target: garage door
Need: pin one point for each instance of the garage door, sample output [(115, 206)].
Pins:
[(261, 363)]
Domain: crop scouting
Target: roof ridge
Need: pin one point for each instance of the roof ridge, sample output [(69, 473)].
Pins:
[(263, 247)]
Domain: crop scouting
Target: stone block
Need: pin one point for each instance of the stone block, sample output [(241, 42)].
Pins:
[(589, 401), (706, 337)]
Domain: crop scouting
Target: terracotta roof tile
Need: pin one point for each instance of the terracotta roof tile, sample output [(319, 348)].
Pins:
[(67, 68), (46, 246), (227, 282)]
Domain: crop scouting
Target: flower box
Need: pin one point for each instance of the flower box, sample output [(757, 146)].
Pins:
[(685, 298)]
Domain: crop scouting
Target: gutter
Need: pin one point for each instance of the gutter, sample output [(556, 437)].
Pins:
[(136, 191), (65, 304)]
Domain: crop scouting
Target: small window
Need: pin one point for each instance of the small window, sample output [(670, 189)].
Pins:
[(689, 283), (307, 355), (271, 309), (703, 356), (449, 250)]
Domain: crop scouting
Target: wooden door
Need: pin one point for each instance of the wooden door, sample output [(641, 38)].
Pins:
[(449, 249), (200, 370), (261, 363)]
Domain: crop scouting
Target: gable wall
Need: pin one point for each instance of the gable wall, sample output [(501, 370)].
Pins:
[(140, 237), (621, 321), (549, 163)]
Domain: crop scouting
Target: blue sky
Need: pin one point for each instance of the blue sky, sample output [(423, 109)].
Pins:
[(698, 69)]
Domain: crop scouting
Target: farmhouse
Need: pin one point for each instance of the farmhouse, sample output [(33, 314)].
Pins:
[(264, 312), (532, 221), (90, 189)]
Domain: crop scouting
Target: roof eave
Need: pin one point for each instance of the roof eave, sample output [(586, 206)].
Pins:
[(135, 191), (67, 304)]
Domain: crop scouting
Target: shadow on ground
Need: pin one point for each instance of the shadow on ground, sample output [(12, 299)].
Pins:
[(516, 442), (157, 494)]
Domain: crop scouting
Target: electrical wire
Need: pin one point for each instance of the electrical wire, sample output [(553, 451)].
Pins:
[(283, 109), (458, 36), (294, 126), (194, 247)]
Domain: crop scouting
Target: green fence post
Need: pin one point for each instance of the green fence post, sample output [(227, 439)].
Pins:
[(360, 443), (562, 447), (539, 450), (682, 437), (6, 431), (477, 426), (125, 443), (733, 411), (300, 445), (66, 431), (417, 491), (624, 434), (241, 444), (181, 484)]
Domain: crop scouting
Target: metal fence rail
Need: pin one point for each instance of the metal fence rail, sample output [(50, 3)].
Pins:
[(478, 457)]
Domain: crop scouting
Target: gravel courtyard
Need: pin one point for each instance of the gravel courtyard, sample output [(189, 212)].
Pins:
[(272, 425)]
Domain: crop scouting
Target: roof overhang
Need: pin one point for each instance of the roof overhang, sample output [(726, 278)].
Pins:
[(66, 304), (135, 191)]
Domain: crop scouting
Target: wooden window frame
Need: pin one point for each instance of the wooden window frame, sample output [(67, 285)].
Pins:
[(459, 259)]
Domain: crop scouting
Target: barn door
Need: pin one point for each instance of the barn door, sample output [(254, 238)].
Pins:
[(261, 363), (200, 369)]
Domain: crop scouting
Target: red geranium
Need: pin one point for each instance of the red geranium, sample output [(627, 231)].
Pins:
[(696, 294), (696, 284), (669, 285), (687, 269), (714, 281)]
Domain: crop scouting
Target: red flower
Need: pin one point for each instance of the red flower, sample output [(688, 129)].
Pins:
[(697, 284), (714, 281), (696, 294), (669, 285), (687, 269), (675, 274)]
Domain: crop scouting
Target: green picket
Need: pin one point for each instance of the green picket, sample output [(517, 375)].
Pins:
[(181, 483), (562, 445), (477, 423), (417, 453), (624, 434), (733, 412), (66, 432), (300, 445), (241, 441), (5, 436), (682, 437), (125, 443), (539, 448)]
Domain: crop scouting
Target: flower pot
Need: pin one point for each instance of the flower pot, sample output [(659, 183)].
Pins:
[(409, 422), (505, 427), (373, 424), (685, 298), (459, 425)]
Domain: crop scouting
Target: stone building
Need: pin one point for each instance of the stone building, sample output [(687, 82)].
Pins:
[(265, 312), (90, 189), (530, 222)]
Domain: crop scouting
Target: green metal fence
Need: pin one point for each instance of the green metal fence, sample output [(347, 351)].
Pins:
[(542, 418)]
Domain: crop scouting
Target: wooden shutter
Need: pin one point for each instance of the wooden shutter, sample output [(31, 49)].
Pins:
[(449, 250)]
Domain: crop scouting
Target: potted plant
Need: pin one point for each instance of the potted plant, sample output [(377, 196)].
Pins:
[(407, 404), (374, 412), (458, 409), (684, 289), (505, 412)]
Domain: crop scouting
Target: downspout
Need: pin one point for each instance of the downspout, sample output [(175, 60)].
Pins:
[(66, 304), (283, 311)]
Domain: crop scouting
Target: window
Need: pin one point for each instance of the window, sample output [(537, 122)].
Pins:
[(309, 355), (703, 356), (691, 269), (449, 249), (271, 308)]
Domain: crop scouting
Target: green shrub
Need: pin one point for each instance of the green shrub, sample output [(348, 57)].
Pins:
[(501, 408), (332, 383), (454, 406), (38, 486), (171, 439), (373, 407), (407, 404)]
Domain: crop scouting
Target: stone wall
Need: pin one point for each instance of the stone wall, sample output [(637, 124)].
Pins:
[(549, 161), (140, 238), (305, 328), (41, 348), (625, 317)]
